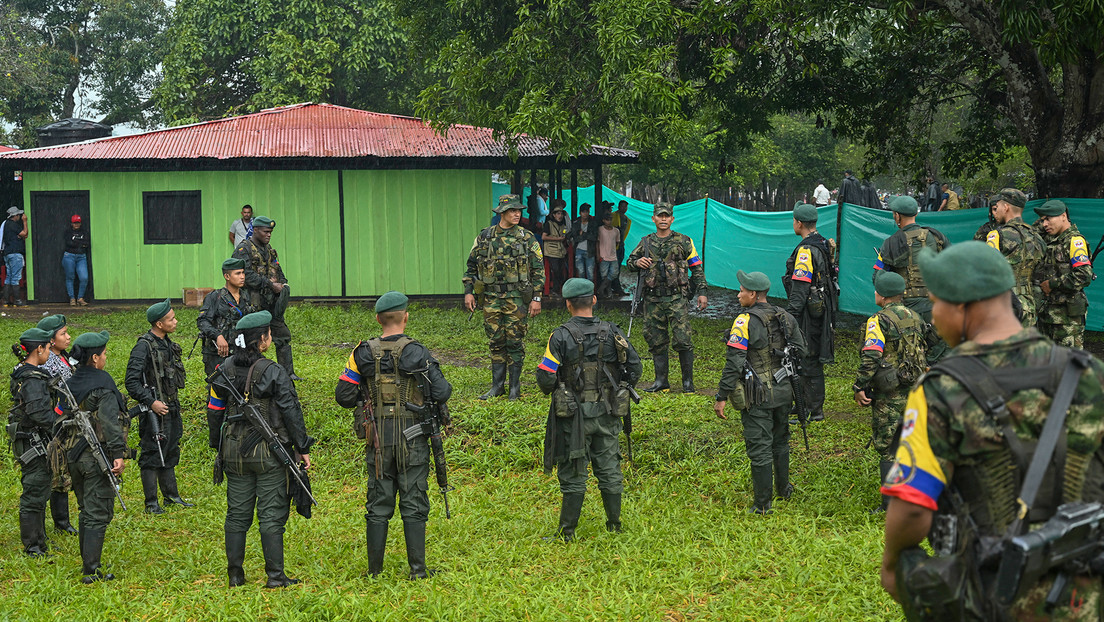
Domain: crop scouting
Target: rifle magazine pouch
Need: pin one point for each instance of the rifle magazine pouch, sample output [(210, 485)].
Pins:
[(937, 588), (360, 421), (243, 449), (564, 403), (621, 402), (60, 480), (885, 379)]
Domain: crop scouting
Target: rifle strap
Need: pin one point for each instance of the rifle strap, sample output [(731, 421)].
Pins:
[(249, 374)]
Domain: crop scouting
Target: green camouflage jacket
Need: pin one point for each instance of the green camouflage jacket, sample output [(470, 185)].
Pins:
[(1066, 265), (672, 256), (506, 262), (262, 269)]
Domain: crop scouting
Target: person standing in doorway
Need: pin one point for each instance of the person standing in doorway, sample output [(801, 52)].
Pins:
[(13, 246), (75, 261), (242, 228)]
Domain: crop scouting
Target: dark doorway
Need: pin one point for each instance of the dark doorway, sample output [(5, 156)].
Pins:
[(51, 214)]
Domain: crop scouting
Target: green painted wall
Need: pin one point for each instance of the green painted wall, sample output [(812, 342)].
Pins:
[(412, 230), (407, 230)]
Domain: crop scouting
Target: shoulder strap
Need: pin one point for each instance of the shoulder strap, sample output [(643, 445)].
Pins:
[(263, 364), (577, 336)]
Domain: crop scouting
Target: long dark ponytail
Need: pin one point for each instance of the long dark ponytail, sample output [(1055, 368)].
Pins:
[(24, 348)]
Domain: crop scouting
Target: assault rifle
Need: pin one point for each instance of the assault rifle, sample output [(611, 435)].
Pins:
[(36, 446), (1099, 247), (253, 415), (791, 368), (435, 415), (626, 421), (82, 421), (155, 429), (635, 304)]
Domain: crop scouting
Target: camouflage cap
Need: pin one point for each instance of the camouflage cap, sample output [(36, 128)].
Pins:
[(91, 341), (233, 264), (507, 201), (1053, 207), (889, 284), (52, 323), (805, 213), (662, 208), (753, 281), (262, 222), (574, 288), (260, 319), (1012, 197), (391, 301), (35, 335), (904, 205), (989, 273), (158, 311)]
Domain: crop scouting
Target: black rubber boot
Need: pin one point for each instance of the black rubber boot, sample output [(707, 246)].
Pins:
[(90, 558), (686, 365), (273, 547), (782, 486), (661, 382), (376, 536), (515, 381), (883, 467), (235, 557), (59, 510), (570, 509), (7, 295), (149, 489), (284, 358), (32, 532), (414, 534), (167, 478), (498, 381), (761, 484), (611, 501)]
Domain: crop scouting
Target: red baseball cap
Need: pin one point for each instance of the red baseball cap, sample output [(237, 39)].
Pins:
[(75, 218)]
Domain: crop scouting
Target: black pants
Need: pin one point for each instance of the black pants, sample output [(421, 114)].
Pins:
[(557, 266)]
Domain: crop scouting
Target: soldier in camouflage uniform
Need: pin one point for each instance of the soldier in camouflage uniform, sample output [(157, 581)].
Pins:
[(665, 257), (990, 224), (506, 267), (154, 376), (899, 346), (267, 287), (811, 289), (755, 344), (221, 310), (586, 367), (1062, 277), (953, 449), (1021, 245), (898, 253)]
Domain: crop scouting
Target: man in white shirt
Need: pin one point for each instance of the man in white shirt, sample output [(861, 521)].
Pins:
[(821, 196)]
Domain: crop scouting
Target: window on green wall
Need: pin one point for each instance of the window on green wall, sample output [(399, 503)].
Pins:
[(173, 217)]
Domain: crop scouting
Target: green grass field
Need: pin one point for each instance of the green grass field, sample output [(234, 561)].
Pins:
[(690, 550)]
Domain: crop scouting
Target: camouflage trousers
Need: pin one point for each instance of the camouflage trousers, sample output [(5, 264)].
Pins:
[(1064, 322), (661, 314), (506, 320), (1030, 307), (885, 416)]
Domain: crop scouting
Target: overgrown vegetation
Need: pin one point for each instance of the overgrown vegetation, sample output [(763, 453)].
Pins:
[(690, 551)]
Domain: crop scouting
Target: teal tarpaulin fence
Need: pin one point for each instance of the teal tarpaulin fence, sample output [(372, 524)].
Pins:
[(729, 239)]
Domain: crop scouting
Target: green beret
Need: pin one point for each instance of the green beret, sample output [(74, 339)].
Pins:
[(36, 335), (753, 281), (91, 341), (391, 301), (1012, 196), (889, 284), (805, 213), (254, 320), (264, 221), (1053, 207), (904, 205), (574, 288), (158, 311), (507, 201), (662, 208), (945, 276), (52, 323), (233, 264)]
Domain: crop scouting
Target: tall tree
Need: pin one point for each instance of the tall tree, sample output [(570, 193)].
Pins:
[(229, 57), (1024, 72)]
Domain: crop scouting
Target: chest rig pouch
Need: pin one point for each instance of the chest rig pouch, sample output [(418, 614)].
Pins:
[(762, 363), (905, 358), (168, 368), (916, 239), (389, 391), (243, 447), (594, 387), (503, 259)]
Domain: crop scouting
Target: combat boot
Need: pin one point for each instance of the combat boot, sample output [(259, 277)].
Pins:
[(515, 381), (235, 557), (376, 536), (498, 381), (167, 479), (272, 545), (149, 489), (761, 483), (686, 363), (611, 501), (782, 486), (661, 383), (570, 509), (59, 510), (284, 358), (7, 295), (32, 532), (90, 558), (414, 534)]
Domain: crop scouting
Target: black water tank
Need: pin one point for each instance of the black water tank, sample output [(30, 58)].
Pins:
[(70, 131)]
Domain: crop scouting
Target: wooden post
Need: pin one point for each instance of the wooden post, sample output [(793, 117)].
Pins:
[(597, 191), (515, 183), (574, 193)]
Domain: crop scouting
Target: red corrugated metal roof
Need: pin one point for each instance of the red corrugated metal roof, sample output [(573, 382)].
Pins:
[(4, 149), (302, 131)]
